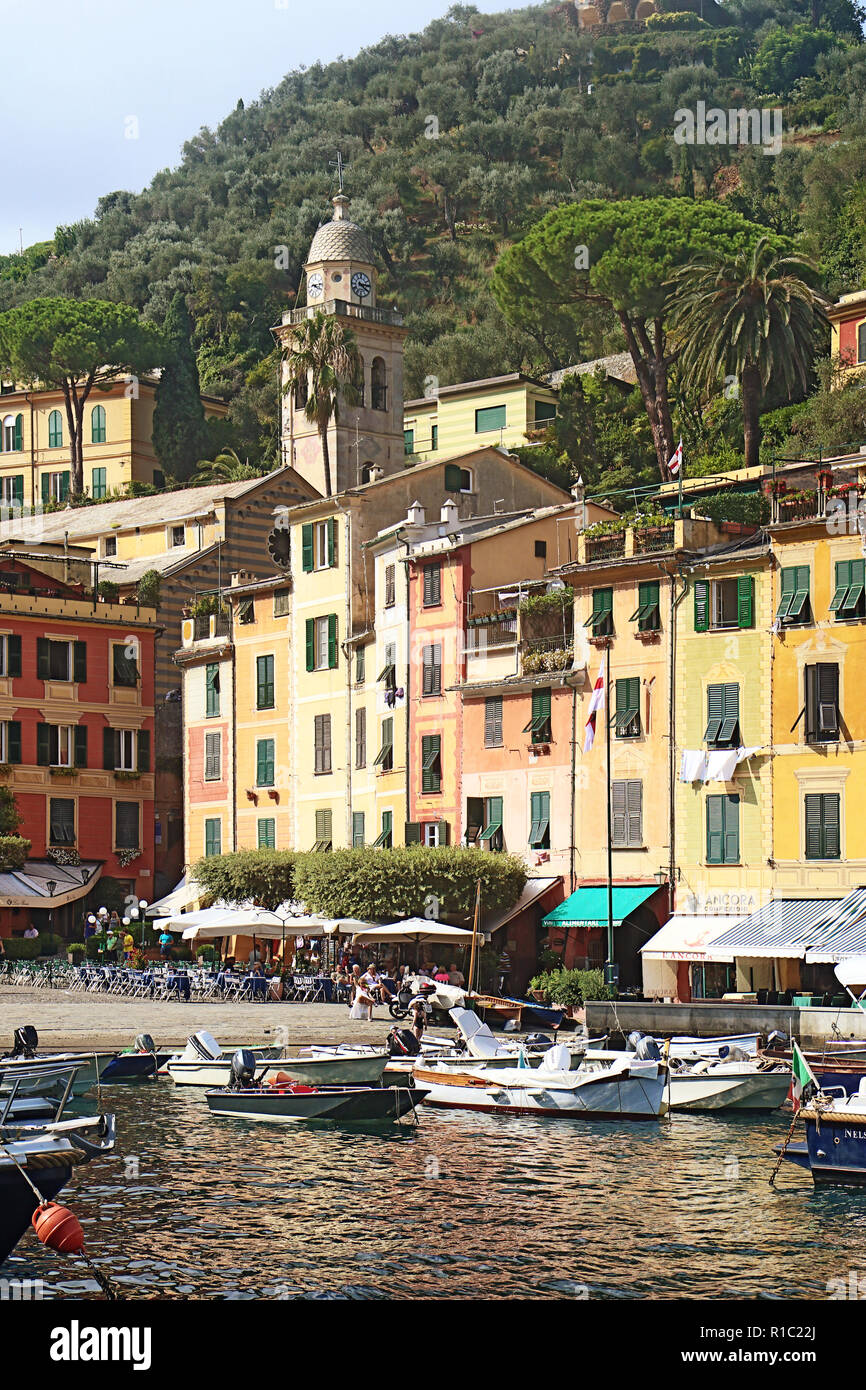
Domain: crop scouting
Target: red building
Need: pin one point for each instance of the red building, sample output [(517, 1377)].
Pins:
[(76, 740)]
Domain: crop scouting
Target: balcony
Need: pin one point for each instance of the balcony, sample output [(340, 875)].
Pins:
[(605, 547), (653, 538), (210, 625), (342, 309), (544, 654)]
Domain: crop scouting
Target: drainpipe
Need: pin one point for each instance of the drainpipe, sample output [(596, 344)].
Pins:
[(33, 498), (234, 671), (347, 650), (676, 600), (571, 848), (399, 537)]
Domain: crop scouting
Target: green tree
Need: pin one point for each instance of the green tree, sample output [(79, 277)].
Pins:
[(788, 54), (323, 361), (752, 316), (76, 347), (265, 877), (179, 429), (620, 256), (226, 468)]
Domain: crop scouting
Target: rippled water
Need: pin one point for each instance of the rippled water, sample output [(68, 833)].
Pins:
[(520, 1208)]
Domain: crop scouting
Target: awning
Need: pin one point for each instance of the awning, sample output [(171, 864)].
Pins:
[(28, 886), (685, 937), (534, 889), (784, 927), (587, 906), (841, 933), (182, 897)]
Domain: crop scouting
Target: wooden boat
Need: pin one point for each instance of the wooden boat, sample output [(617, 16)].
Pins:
[(506, 1010), (546, 1015), (290, 1100)]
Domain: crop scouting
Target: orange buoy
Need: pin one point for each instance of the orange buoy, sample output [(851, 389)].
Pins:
[(58, 1227)]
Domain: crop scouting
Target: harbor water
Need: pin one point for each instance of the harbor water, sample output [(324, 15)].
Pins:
[(461, 1206)]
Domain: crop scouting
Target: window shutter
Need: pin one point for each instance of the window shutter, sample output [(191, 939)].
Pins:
[(332, 640), (19, 445), (108, 750), (144, 750), (828, 683), (79, 661), (13, 741), (474, 818), (618, 812), (702, 605), (307, 546), (46, 487), (412, 832), (43, 659), (357, 829), (43, 745), (13, 656), (310, 631), (360, 737), (331, 540), (80, 737), (715, 829), (493, 721), (731, 813), (745, 600), (444, 833), (453, 477), (830, 810), (813, 827), (634, 813)]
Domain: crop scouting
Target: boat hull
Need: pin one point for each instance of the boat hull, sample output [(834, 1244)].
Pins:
[(756, 1091), (314, 1071), (18, 1201), (347, 1105), (834, 1150), (596, 1097)]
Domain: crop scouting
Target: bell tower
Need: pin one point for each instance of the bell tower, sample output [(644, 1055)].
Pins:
[(366, 439)]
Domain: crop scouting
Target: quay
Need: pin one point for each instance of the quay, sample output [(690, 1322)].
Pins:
[(812, 1027)]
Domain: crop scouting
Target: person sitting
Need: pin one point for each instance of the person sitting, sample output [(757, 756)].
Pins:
[(376, 985), (441, 974), (456, 977), (342, 984)]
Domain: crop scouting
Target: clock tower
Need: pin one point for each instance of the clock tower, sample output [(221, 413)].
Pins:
[(366, 440)]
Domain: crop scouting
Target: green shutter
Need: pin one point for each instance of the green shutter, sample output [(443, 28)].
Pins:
[(814, 838), (13, 656), (412, 832), (79, 662), (13, 741), (109, 761), (702, 605), (212, 693), (64, 485), (18, 489), (453, 477), (331, 540), (265, 762), (357, 829), (267, 836), (745, 600), (310, 632), (332, 641), (732, 829), (264, 682), (715, 829), (80, 736), (715, 712), (431, 769), (19, 437), (307, 546), (144, 750), (43, 745), (830, 814), (43, 659), (46, 488)]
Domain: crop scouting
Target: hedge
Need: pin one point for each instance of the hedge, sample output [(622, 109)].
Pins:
[(264, 876), (29, 947), (385, 885)]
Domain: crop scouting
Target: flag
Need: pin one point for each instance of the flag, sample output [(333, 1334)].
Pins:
[(802, 1074), (675, 462), (594, 705)]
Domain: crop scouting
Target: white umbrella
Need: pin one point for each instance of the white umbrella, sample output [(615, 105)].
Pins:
[(418, 930), (852, 974)]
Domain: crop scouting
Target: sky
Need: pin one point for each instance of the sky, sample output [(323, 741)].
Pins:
[(99, 95)]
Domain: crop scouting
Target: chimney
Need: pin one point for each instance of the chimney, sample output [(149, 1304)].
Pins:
[(415, 515), (449, 515), (578, 492)]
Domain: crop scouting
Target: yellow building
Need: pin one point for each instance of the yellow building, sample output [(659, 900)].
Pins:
[(206, 661), (117, 446), (503, 410)]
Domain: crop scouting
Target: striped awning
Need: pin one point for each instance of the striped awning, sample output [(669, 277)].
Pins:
[(782, 928), (841, 933)]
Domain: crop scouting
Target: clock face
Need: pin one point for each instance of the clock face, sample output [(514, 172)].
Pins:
[(361, 284), (315, 286)]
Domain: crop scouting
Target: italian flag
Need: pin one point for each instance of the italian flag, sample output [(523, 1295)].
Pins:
[(802, 1074)]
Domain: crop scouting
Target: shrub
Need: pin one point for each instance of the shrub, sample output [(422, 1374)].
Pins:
[(382, 885), (749, 507), (264, 876), (149, 589), (78, 949), (108, 590), (13, 852), (19, 948), (572, 988)]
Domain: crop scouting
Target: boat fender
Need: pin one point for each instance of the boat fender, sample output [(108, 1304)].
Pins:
[(59, 1229)]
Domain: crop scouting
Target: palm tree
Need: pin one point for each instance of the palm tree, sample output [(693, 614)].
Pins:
[(749, 316), (323, 361), (225, 468)]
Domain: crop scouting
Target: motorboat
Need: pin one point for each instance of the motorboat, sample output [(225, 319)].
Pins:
[(104, 1068), (204, 1063), (37, 1139), (834, 1150), (629, 1087), (695, 1049), (488, 1048), (284, 1098), (730, 1085)]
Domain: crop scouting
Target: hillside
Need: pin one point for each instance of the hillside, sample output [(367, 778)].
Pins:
[(456, 140)]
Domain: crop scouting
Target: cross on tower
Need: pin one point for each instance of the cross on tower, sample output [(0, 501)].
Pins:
[(339, 166)]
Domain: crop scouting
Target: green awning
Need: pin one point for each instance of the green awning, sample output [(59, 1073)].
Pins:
[(587, 907)]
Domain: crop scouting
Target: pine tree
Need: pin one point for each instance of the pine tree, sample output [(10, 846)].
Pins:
[(179, 430)]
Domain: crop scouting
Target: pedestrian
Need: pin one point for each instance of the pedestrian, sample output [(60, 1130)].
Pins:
[(166, 941), (31, 933), (128, 946), (363, 1001), (421, 1009)]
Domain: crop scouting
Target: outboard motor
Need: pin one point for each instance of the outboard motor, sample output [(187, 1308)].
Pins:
[(403, 1043), (647, 1050), (144, 1043), (25, 1041), (732, 1053), (777, 1040), (243, 1071), (632, 1041)]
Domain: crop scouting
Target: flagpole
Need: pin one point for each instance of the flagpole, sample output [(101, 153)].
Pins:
[(607, 705)]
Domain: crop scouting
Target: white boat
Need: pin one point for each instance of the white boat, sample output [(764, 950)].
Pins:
[(697, 1048), (729, 1086), (627, 1088), (203, 1063), (483, 1045)]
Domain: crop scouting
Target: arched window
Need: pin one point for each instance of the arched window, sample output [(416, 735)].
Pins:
[(55, 430), (861, 343), (379, 390), (12, 434), (97, 425)]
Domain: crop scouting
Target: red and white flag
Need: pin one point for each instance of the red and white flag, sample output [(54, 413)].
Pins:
[(594, 705), (675, 463)]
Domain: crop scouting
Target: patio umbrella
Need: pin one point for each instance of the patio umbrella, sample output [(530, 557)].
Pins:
[(418, 930)]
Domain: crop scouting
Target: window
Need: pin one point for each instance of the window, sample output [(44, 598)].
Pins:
[(55, 430), (794, 596), (493, 722), (322, 742), (627, 814), (408, 442), (491, 832), (489, 417), (127, 815), (12, 434), (541, 550), (212, 691), (10, 656), (388, 673), (360, 738), (61, 816), (723, 829), (10, 741), (385, 757), (431, 683), (360, 665), (647, 613), (861, 342), (379, 389), (457, 479), (178, 535), (544, 411), (321, 643), (628, 707), (264, 682), (433, 833), (246, 611), (324, 833), (357, 830), (61, 661), (723, 716), (821, 706), (822, 826), (432, 585), (434, 438), (97, 425), (213, 837), (539, 724), (319, 545), (724, 603), (384, 839), (282, 603), (109, 546), (539, 814), (431, 763), (61, 745), (12, 490), (124, 750), (98, 482), (55, 487), (264, 762), (267, 832), (601, 617), (301, 392), (124, 667), (847, 600), (390, 592), (212, 757)]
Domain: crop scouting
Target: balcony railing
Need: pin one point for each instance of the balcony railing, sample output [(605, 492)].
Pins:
[(207, 625), (548, 654), (342, 309), (653, 538), (606, 547)]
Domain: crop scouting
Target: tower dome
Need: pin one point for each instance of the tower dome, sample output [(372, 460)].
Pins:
[(340, 239)]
